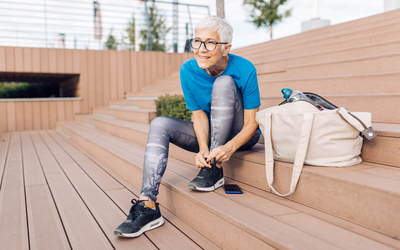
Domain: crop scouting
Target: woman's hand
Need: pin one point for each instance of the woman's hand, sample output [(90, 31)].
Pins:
[(222, 153), (200, 159)]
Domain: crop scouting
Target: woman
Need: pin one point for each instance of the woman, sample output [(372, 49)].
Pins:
[(222, 92)]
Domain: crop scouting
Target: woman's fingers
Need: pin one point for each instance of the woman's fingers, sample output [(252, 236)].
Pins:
[(201, 161), (219, 154)]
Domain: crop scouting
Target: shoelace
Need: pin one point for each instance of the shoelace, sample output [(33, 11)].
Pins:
[(132, 212), (205, 171)]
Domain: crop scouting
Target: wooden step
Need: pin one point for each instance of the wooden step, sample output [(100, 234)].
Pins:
[(250, 220), (167, 82), (383, 83), (386, 149), (367, 21), (383, 107), (380, 150), (334, 40), (322, 35), (355, 66), (143, 104), (247, 166), (129, 114), (280, 62), (154, 94)]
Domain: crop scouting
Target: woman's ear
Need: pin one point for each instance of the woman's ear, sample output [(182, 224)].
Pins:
[(227, 48)]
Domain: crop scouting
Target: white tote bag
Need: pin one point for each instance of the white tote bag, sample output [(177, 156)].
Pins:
[(300, 133)]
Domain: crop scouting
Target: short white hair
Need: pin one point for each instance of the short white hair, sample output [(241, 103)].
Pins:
[(222, 26)]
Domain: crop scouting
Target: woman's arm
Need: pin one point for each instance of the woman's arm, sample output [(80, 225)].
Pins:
[(223, 153), (201, 128)]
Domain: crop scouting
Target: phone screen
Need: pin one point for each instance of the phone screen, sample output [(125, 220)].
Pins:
[(232, 189)]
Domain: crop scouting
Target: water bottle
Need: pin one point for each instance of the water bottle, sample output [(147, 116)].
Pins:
[(293, 96)]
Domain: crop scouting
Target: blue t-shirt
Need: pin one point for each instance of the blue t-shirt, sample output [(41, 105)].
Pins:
[(197, 83)]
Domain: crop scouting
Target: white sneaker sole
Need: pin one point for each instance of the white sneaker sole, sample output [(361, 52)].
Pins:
[(212, 188), (149, 226)]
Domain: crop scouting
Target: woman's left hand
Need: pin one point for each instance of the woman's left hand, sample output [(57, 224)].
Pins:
[(221, 154)]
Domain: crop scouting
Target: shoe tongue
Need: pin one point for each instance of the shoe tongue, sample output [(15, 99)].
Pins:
[(140, 206)]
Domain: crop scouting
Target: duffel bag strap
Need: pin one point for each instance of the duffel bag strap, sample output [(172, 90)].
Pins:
[(301, 152), (354, 121)]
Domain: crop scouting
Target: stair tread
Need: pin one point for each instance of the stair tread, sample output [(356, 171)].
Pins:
[(346, 60), (321, 34), (272, 228), (125, 109), (379, 178), (330, 77), (285, 58)]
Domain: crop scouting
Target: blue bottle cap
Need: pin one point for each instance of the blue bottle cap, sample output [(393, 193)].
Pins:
[(286, 93)]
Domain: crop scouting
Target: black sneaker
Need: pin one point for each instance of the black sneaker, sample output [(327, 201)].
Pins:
[(208, 179), (140, 220)]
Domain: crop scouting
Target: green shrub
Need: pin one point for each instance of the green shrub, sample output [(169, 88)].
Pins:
[(173, 106), (28, 90)]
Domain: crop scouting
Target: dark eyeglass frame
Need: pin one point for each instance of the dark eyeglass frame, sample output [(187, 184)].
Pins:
[(204, 42)]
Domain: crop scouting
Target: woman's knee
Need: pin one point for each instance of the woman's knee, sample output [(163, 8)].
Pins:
[(160, 122), (224, 81)]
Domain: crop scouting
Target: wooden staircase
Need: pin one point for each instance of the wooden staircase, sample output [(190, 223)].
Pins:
[(355, 65)]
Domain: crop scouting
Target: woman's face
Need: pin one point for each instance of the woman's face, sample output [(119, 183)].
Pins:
[(210, 59)]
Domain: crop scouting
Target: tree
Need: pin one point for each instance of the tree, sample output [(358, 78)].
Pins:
[(131, 29), (265, 13), (111, 42), (158, 31)]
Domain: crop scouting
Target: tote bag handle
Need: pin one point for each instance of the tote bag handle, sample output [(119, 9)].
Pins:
[(301, 152)]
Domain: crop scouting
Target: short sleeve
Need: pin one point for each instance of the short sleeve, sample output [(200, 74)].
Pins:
[(191, 103), (251, 93)]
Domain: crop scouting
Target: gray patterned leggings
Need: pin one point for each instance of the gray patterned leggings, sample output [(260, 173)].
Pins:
[(227, 117)]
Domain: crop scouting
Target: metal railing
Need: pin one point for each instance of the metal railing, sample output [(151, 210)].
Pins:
[(70, 24)]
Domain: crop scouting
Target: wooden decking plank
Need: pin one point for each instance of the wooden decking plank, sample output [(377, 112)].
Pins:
[(106, 213), (78, 222), (4, 145), (45, 227), (167, 237), (14, 228), (124, 203)]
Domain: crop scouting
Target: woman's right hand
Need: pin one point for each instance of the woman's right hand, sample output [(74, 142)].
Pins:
[(200, 159)]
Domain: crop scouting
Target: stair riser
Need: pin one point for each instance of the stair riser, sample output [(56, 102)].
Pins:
[(384, 64), (132, 135), (248, 167), (143, 104), (353, 53), (319, 38), (382, 150), (121, 166), (324, 47), (200, 218), (156, 93), (384, 108), (131, 115), (346, 200), (282, 65), (364, 84)]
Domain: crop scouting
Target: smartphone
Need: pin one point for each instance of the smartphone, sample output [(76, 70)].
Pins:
[(232, 189)]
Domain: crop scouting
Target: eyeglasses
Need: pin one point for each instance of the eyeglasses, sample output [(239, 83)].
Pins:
[(209, 45)]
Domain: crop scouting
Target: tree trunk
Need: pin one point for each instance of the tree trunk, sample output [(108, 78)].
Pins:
[(270, 32), (220, 8)]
